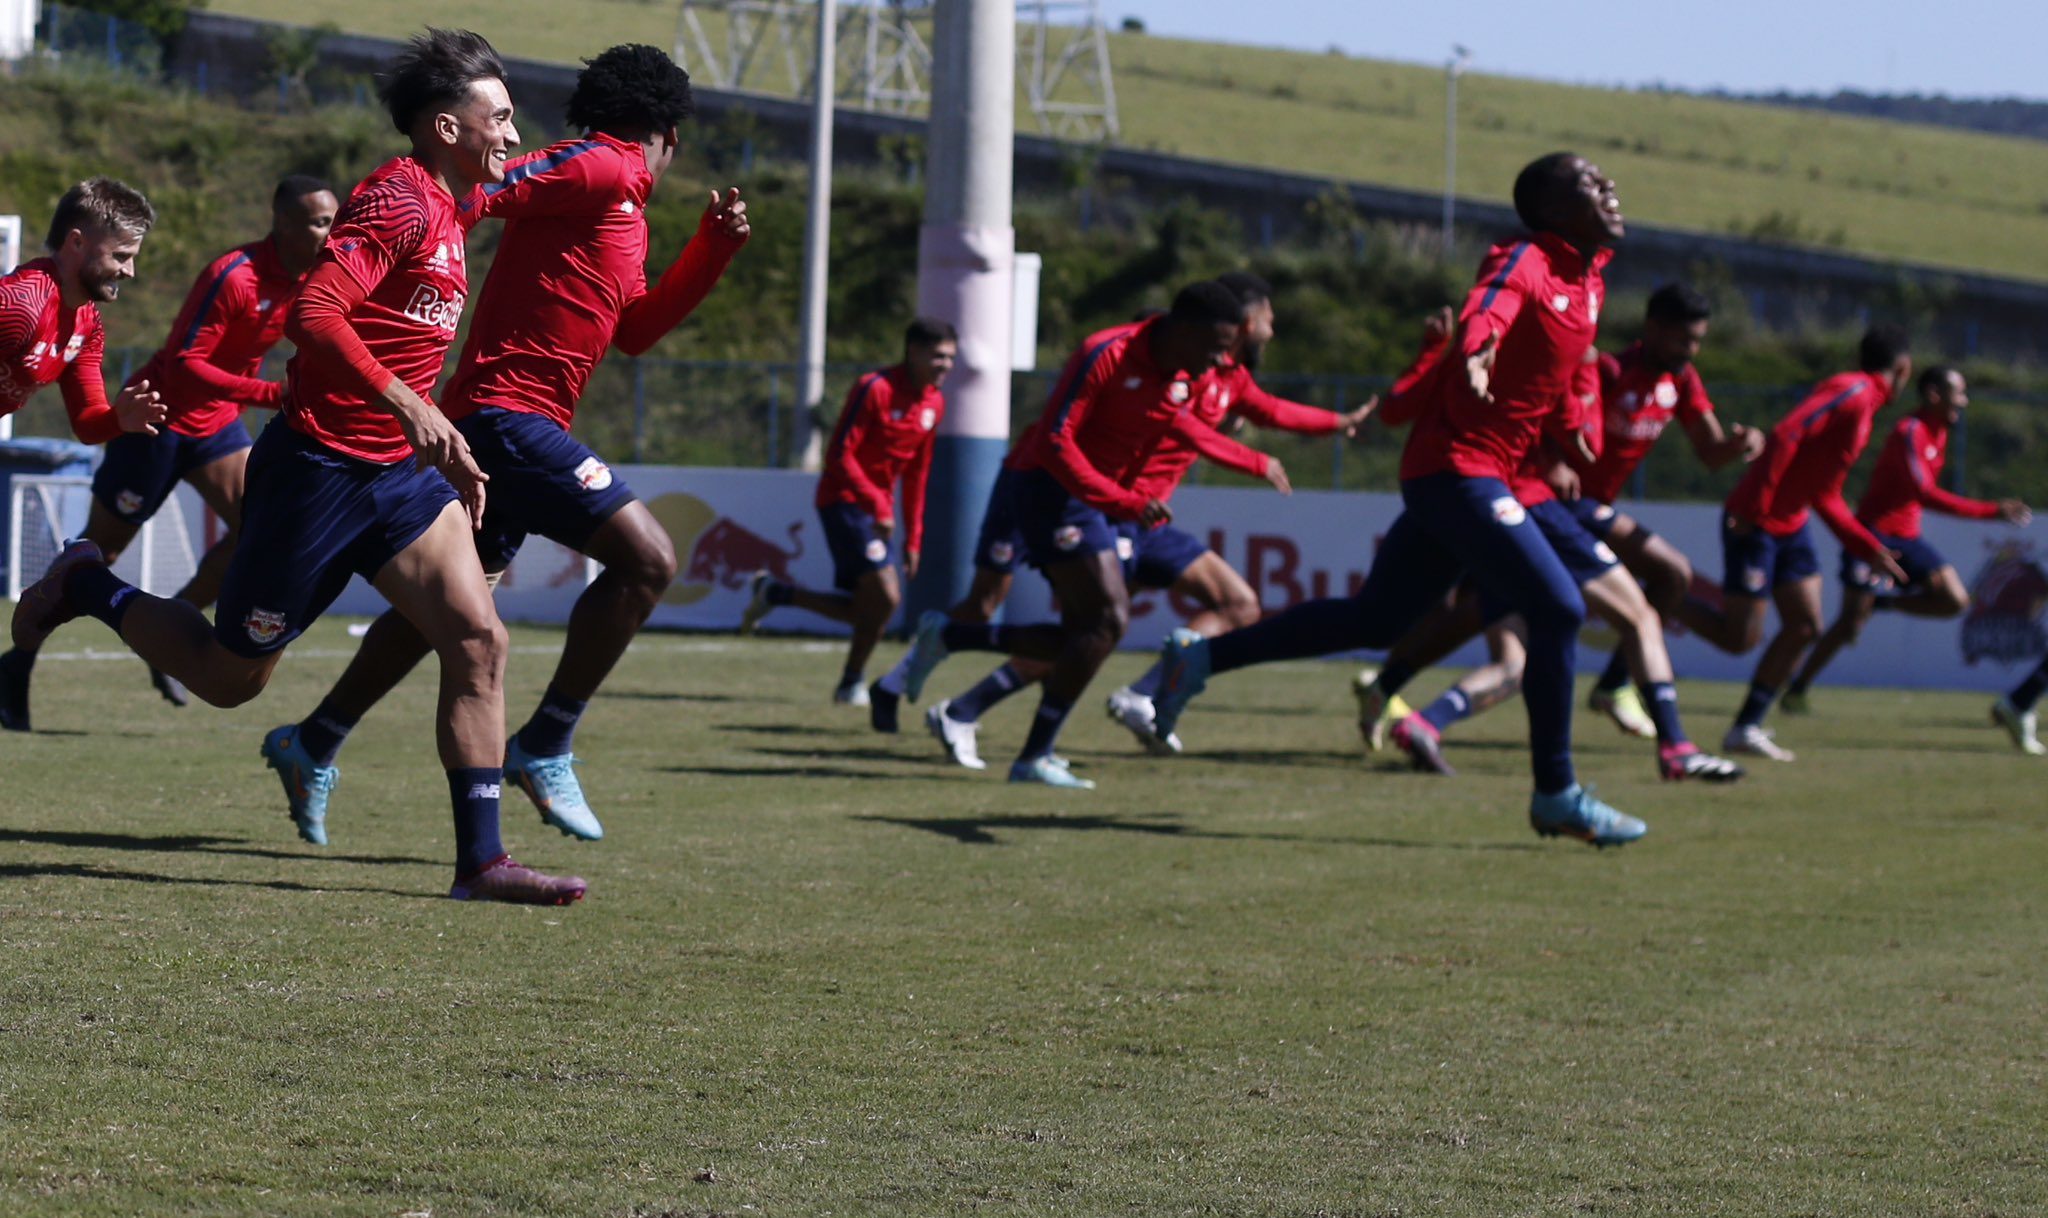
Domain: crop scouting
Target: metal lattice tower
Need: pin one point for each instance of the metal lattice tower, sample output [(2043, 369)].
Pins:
[(885, 58)]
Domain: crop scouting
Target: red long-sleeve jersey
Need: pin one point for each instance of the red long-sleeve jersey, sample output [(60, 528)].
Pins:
[(1637, 401), (234, 314), (42, 341), (1907, 478), (1575, 411), (885, 432), (382, 303), (1223, 392), (1805, 459), (1110, 410), (570, 278), (1418, 387), (1539, 297)]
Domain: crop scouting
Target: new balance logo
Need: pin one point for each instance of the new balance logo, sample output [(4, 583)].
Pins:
[(484, 790)]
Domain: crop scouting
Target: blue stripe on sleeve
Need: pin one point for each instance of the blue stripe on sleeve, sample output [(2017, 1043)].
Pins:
[(1814, 420), (533, 169), (206, 302), (1507, 270), (1088, 361), (839, 429)]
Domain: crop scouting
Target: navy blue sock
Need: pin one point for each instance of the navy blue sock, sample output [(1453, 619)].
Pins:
[(96, 590), (1660, 698), (1045, 728), (1148, 684), (1394, 677), (778, 593), (972, 636), (553, 725), (1615, 675), (323, 731), (988, 691), (475, 796), (1450, 706), (1756, 706), (1547, 694), (2029, 691)]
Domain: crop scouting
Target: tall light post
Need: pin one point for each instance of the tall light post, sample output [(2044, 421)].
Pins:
[(1453, 69), (817, 235)]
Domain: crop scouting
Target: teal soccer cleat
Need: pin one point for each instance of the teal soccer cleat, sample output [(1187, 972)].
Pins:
[(1048, 771), (1573, 812), (1185, 657), (306, 785), (550, 782)]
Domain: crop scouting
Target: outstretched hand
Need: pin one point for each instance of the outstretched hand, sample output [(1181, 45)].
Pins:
[(727, 215), (1354, 419), (138, 408), (1479, 368)]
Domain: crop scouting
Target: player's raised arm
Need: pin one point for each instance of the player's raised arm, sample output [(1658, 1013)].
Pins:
[(721, 231), (216, 300)]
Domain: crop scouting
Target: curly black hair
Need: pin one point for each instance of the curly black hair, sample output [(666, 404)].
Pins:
[(633, 91)]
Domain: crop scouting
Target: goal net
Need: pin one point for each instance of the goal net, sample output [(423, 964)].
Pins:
[(44, 510)]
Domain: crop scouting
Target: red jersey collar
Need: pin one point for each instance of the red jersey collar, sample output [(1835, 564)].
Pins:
[(641, 180), (1565, 257)]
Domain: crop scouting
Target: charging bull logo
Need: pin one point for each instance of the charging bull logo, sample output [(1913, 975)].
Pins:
[(2004, 622), (722, 552)]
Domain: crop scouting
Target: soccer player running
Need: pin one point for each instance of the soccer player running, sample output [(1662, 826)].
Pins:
[(1523, 331), (1766, 548), (206, 374), (362, 474), (885, 433), (1072, 485), (1907, 476), (1166, 558), (2015, 711), (568, 282)]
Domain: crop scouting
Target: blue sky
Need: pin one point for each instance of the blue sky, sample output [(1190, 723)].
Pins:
[(1973, 48)]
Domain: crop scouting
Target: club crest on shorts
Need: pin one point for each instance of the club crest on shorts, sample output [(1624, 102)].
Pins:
[(1603, 512), (128, 503), (1067, 536), (1606, 554), (1509, 511), (1001, 551), (1124, 549), (877, 549), (1753, 579), (593, 474), (263, 625)]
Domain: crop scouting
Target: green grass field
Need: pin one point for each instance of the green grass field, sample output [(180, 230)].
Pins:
[(1889, 190), (820, 973)]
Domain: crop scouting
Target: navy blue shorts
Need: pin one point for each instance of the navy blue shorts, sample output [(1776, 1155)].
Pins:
[(1919, 559), (1594, 516), (1583, 554), (1056, 526), (1155, 558), (140, 471), (856, 543), (1001, 542), (543, 480), (1754, 562), (311, 518)]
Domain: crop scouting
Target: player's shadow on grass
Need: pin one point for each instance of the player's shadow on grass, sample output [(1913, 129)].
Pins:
[(91, 871), (807, 771), (808, 731), (190, 843), (981, 831), (651, 695)]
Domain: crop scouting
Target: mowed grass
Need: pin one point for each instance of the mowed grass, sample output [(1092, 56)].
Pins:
[(820, 972), (1883, 189)]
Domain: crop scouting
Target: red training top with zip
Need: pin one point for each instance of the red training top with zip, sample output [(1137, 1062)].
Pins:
[(1540, 298), (1225, 391), (234, 314), (885, 432), (1906, 478), (42, 341), (570, 279), (1637, 401), (1111, 408), (1806, 458)]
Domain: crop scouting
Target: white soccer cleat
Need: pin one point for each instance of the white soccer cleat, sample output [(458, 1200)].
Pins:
[(960, 740), (1133, 711), (851, 693), (757, 601), (1625, 707), (1756, 741), (2018, 724)]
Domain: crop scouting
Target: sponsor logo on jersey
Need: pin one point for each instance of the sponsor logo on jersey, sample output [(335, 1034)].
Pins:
[(1666, 393), (430, 307), (1509, 511), (263, 625), (593, 474), (1561, 302), (1177, 393), (928, 418)]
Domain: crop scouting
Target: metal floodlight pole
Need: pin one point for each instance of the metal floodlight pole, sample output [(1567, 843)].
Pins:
[(1453, 69), (818, 234), (966, 267)]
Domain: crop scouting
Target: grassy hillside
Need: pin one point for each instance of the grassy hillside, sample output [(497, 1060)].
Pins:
[(1886, 189)]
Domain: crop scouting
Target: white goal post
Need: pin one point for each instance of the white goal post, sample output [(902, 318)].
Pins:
[(45, 509)]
